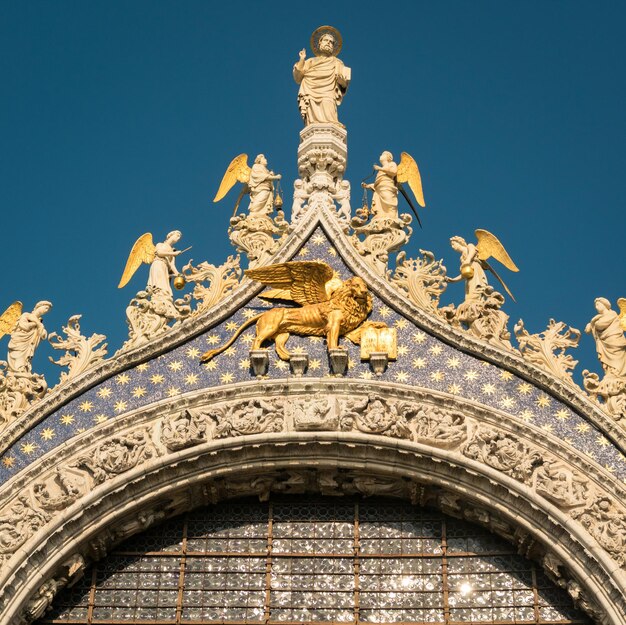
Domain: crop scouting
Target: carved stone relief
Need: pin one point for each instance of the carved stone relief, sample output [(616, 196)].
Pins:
[(221, 279), (422, 279)]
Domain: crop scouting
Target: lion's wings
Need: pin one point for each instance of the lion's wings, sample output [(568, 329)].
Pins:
[(9, 318), (302, 281), (142, 252), (410, 173), (238, 171)]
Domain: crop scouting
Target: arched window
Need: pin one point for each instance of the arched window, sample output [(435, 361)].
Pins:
[(315, 560)]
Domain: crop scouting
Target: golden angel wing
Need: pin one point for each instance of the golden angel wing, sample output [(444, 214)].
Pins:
[(488, 245), (409, 172), (621, 303), (238, 171), (143, 252), (9, 318), (304, 280)]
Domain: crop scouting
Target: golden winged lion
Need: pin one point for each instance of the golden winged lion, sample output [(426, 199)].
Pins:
[(330, 307)]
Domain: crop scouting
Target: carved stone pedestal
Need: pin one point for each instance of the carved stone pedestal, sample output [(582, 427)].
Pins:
[(299, 364), (259, 361), (378, 362), (338, 360)]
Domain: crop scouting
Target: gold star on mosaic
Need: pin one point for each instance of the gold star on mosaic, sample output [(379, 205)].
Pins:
[(120, 406), (143, 366), (454, 389), (562, 414), (419, 337), (192, 378), (366, 375), (351, 363), (453, 362), (403, 350), (488, 389), (303, 252), (547, 427), (435, 350), (67, 419), (176, 365), (543, 401), (315, 339), (384, 311), (298, 350), (507, 402), (419, 363), (437, 376), (244, 364), (103, 393), (332, 251), (28, 448), (524, 388), (8, 462), (602, 441), (227, 377), (247, 338), (213, 339), (401, 376), (100, 418), (527, 415), (231, 351), (192, 352), (282, 365), (506, 375), (471, 375), (232, 326), (609, 468), (582, 427), (568, 440), (590, 453), (86, 406), (401, 323), (80, 430), (47, 434), (315, 364), (172, 391), (318, 239), (248, 313), (139, 391), (122, 378), (211, 365), (157, 378)]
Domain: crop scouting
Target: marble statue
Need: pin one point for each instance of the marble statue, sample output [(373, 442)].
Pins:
[(27, 331), (607, 328), (255, 233), (323, 79)]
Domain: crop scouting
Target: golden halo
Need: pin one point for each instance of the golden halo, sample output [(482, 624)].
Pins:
[(323, 30)]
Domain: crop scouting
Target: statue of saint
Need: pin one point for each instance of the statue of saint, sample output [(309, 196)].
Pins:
[(385, 201), (261, 187), (25, 338), (607, 328), (323, 79)]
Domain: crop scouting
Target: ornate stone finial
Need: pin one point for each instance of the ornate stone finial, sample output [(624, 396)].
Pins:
[(323, 79), (422, 279), (81, 353), (541, 349), (19, 386), (222, 280), (607, 328), (256, 233)]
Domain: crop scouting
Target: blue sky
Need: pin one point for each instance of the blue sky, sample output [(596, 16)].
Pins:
[(119, 118)]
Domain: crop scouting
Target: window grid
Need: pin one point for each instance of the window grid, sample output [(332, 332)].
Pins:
[(293, 561)]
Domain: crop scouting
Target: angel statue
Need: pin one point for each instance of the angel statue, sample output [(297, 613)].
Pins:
[(254, 233), (383, 229), (27, 331), (480, 311), (19, 386), (607, 328), (323, 79), (330, 307), (149, 313)]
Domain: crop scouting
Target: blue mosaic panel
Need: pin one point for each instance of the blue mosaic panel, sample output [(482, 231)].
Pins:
[(423, 361)]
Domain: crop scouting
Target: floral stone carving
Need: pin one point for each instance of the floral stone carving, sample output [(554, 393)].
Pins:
[(252, 417), (221, 279), (547, 349), (422, 279), (81, 353), (375, 415)]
